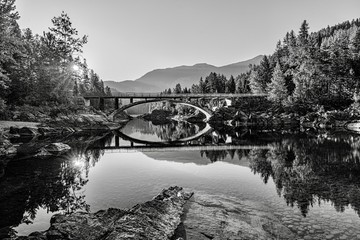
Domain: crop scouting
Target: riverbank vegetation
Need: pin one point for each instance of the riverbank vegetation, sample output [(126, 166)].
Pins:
[(42, 70)]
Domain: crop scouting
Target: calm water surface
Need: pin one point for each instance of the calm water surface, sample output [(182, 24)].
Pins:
[(310, 181)]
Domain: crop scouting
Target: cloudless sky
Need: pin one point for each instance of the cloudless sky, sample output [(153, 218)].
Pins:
[(128, 38)]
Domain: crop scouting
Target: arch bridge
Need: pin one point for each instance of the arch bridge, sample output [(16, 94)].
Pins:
[(181, 98)]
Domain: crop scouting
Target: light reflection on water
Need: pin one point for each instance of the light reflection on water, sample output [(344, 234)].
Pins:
[(301, 177)]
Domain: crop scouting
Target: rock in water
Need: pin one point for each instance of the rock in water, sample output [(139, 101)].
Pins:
[(57, 147), (155, 219)]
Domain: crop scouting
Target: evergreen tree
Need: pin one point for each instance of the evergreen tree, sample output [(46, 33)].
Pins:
[(177, 89), (230, 85), (264, 71), (107, 91), (211, 83), (277, 87), (255, 83), (303, 33), (64, 38), (242, 83), (10, 44), (62, 43), (202, 86), (260, 76), (195, 88)]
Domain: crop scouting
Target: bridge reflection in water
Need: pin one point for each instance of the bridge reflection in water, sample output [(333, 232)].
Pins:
[(185, 144)]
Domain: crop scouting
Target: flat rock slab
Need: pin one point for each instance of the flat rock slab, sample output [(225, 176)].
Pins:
[(222, 217), (155, 219)]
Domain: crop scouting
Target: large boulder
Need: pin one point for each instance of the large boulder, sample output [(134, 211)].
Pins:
[(155, 219)]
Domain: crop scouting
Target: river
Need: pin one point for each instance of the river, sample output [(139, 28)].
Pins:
[(309, 180)]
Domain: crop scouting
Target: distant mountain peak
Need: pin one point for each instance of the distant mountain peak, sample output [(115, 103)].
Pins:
[(160, 79), (202, 65)]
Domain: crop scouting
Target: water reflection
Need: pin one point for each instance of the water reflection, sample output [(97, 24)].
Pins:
[(307, 169), (174, 131), (54, 184)]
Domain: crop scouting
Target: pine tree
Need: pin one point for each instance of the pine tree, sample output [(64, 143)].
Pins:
[(242, 83), (277, 87), (107, 91), (202, 86), (9, 43), (64, 37), (195, 88), (177, 89), (230, 85), (255, 84), (304, 33)]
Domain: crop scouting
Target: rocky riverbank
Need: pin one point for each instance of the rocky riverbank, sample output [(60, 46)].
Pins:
[(320, 119), (57, 127), (155, 219), (259, 119)]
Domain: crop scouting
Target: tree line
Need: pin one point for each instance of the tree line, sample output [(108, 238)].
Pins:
[(43, 69), (306, 69), (214, 83)]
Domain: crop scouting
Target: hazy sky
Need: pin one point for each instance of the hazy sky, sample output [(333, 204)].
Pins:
[(128, 38)]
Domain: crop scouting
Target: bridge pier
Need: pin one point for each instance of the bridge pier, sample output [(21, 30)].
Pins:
[(131, 100), (117, 141), (101, 103), (116, 103)]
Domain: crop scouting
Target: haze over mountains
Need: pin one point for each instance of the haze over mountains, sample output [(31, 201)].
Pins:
[(161, 79)]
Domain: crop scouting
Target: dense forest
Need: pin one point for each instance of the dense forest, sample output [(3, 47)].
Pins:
[(45, 69), (307, 69)]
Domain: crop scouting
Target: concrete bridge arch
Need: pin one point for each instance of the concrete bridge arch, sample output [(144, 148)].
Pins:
[(206, 112)]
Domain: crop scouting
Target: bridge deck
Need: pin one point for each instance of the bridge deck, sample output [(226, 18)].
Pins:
[(182, 95)]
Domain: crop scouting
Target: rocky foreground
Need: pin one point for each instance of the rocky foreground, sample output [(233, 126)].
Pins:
[(173, 214), (155, 219)]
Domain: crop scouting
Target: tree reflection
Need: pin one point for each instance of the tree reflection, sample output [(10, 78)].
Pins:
[(310, 171), (54, 183), (171, 131)]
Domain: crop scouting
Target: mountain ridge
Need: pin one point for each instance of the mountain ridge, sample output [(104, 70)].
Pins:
[(158, 80)]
